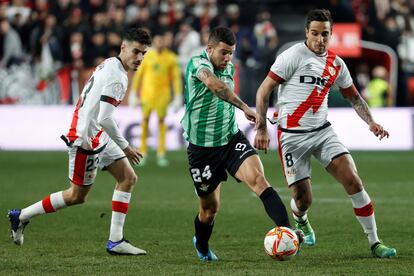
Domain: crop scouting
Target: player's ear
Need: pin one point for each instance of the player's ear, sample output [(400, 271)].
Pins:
[(209, 48), (123, 45)]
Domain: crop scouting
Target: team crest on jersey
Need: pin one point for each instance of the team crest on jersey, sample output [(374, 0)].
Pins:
[(332, 70), (117, 89), (290, 172), (204, 187)]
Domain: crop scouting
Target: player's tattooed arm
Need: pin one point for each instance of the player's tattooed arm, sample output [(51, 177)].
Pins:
[(262, 100), (361, 108), (219, 88), (262, 140), (261, 110)]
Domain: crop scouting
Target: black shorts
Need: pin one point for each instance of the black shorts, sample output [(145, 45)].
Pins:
[(208, 165)]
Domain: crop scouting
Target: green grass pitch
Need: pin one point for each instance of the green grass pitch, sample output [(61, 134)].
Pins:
[(163, 207)]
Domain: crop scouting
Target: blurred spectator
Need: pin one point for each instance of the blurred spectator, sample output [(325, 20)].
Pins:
[(133, 9), (100, 21), (264, 29), (267, 40), (206, 14), (233, 17), (406, 46), (377, 93), (362, 76), (61, 9), (116, 19), (391, 33), (12, 52), (203, 42), (163, 23), (114, 41), (76, 23), (77, 49), (18, 8), (187, 40), (169, 40), (143, 19), (19, 15), (50, 34), (23, 28), (153, 6), (97, 49)]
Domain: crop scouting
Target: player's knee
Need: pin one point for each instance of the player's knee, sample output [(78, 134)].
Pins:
[(76, 199), (131, 179), (260, 183), (304, 203), (354, 184), (208, 215)]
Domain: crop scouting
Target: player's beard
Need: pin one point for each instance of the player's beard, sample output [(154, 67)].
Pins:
[(319, 49)]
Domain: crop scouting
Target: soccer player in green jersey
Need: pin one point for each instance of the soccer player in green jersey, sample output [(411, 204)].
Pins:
[(216, 145)]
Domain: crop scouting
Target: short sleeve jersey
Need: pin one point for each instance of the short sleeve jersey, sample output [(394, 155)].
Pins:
[(108, 83), (305, 82), (208, 120)]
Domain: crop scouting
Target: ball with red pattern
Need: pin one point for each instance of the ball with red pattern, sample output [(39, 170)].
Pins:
[(281, 243)]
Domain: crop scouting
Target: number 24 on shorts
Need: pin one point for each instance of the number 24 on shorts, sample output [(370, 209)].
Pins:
[(198, 175)]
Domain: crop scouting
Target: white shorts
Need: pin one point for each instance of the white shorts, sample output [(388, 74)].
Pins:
[(83, 164), (296, 149)]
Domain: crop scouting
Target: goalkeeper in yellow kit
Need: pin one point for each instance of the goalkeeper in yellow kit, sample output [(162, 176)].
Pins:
[(153, 85)]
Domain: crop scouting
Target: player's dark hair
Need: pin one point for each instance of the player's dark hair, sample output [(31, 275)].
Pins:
[(222, 34), (137, 34), (320, 15)]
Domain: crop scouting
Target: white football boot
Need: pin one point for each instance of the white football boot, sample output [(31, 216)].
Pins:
[(123, 247)]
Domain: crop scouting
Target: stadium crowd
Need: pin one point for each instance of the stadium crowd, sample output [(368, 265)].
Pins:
[(49, 48)]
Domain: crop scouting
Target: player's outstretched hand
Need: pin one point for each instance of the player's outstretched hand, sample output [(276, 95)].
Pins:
[(250, 114), (378, 130), (262, 140), (133, 155)]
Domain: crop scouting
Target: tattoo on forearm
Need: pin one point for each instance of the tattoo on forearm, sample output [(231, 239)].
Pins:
[(362, 109), (223, 91), (261, 110), (227, 95)]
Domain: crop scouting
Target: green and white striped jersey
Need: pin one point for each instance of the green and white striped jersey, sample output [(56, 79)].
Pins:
[(208, 120)]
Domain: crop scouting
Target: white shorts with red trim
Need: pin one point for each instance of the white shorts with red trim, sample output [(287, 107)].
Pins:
[(296, 149), (84, 164)]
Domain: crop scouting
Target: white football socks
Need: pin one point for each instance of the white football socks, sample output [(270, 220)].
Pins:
[(364, 212), (298, 215), (49, 204), (120, 204)]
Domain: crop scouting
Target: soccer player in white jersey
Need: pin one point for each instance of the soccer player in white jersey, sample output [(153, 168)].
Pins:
[(93, 141), (303, 75)]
